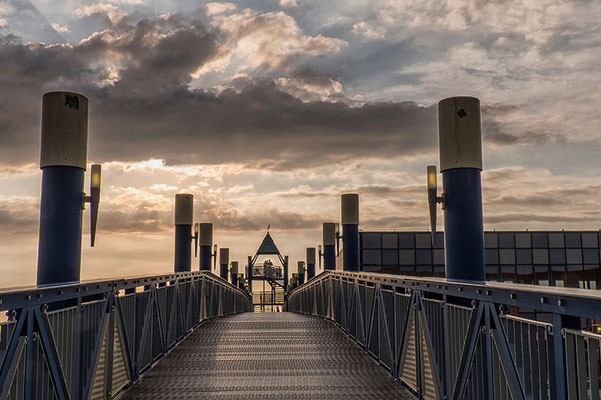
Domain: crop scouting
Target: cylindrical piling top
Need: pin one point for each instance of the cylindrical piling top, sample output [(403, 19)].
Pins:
[(301, 267), (329, 233), (459, 133), (224, 255), (235, 267), (205, 234), (350, 209), (184, 209), (310, 255), (64, 130)]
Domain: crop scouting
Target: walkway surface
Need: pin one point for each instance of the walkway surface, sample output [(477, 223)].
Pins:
[(267, 356)]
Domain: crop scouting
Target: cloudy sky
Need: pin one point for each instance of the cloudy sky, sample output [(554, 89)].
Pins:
[(267, 111)]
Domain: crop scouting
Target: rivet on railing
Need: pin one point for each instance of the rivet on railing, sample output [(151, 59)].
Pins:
[(28, 297), (543, 300), (488, 293), (39, 296), (512, 296), (59, 292), (561, 302), (478, 291), (460, 289)]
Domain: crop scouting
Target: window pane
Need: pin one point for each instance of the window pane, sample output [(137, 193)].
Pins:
[(589, 240), (407, 270), (539, 240), (557, 256), (574, 256), (556, 240), (522, 240), (492, 272), (390, 257), (406, 241), (590, 256), (491, 256), (490, 240), (558, 274), (524, 274), (423, 257), (371, 240), (389, 241), (439, 240), (372, 268), (508, 273), (423, 240), (523, 256), (542, 274), (506, 241), (507, 256), (424, 270), (439, 272), (438, 256), (372, 257), (573, 239), (406, 257), (390, 270), (541, 256)]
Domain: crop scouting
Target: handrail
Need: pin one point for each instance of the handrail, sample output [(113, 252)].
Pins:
[(94, 339), (464, 340)]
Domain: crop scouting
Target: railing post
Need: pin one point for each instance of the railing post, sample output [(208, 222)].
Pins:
[(224, 262), (63, 162), (310, 262), (460, 142), (205, 241), (329, 246), (184, 208), (350, 231)]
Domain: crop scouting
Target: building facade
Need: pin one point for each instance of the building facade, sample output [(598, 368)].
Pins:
[(551, 258)]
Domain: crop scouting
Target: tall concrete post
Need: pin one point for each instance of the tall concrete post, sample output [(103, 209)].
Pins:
[(310, 262), (184, 209), (205, 242), (63, 161), (301, 272), (350, 232), (460, 145), (329, 246), (224, 262), (286, 263), (234, 273)]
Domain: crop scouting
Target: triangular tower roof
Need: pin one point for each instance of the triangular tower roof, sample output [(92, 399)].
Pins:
[(268, 246)]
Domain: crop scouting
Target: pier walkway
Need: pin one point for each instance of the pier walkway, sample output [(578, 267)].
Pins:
[(268, 356)]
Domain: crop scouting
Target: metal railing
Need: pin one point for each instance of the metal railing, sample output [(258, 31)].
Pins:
[(92, 340), (453, 340)]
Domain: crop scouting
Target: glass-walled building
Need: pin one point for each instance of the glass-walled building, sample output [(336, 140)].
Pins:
[(556, 258)]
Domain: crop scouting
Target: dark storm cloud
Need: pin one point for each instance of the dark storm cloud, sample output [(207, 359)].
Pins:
[(142, 105)]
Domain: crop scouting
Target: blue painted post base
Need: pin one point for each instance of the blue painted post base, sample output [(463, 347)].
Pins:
[(223, 271), (329, 257), (350, 251), (310, 271), (204, 258), (59, 251), (464, 232), (183, 237)]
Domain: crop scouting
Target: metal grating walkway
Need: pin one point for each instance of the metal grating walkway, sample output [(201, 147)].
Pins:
[(267, 356)]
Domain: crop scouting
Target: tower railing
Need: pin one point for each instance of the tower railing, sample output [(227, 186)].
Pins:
[(92, 340), (455, 340)]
